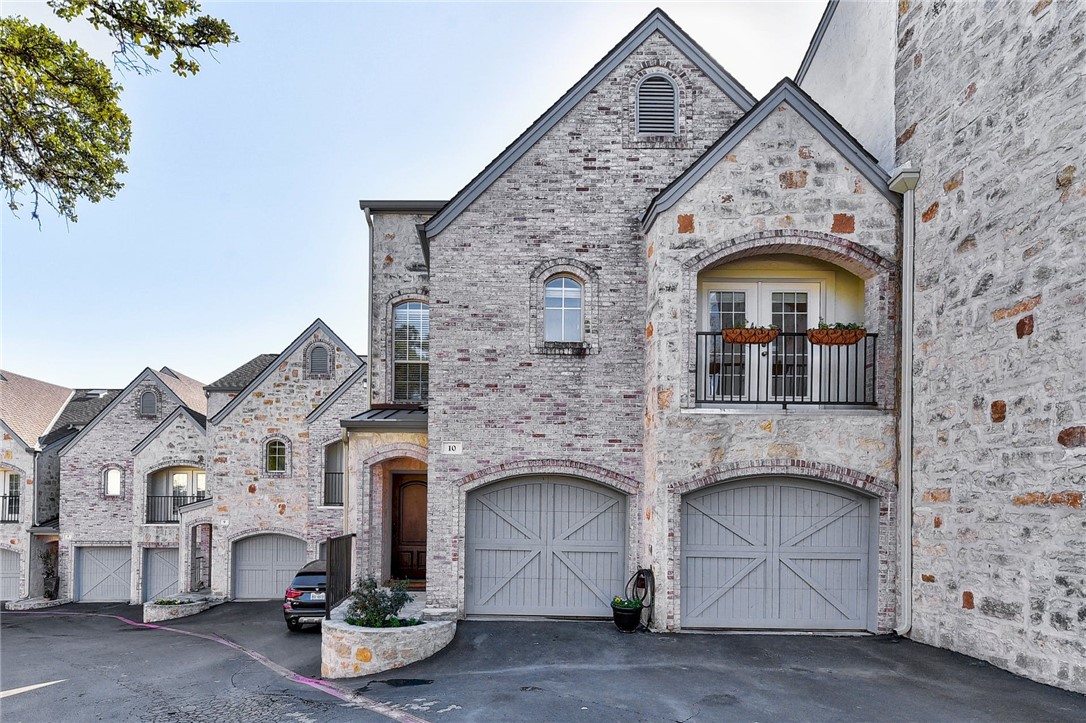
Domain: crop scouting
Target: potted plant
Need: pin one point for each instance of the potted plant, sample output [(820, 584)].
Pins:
[(48, 558), (627, 613), (746, 333), (836, 334)]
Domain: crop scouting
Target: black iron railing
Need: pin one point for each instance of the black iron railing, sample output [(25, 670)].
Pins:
[(9, 508), (339, 570), (333, 488), (162, 509), (788, 370)]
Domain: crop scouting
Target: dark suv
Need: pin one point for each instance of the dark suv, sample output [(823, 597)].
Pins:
[(304, 599)]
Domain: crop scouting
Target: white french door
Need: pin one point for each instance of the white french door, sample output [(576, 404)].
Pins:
[(761, 372)]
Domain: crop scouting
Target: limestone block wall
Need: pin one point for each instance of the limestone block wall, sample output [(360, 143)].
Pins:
[(15, 535), (784, 189), (46, 492), (991, 103), (398, 273), (571, 204), (248, 499), (87, 515)]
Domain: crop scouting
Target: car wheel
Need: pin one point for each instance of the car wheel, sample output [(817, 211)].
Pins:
[(294, 624)]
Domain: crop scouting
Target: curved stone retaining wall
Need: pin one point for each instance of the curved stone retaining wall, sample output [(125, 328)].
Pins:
[(157, 613), (348, 651)]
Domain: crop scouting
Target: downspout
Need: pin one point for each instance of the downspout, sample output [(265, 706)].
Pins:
[(369, 312), (346, 483), (904, 181)]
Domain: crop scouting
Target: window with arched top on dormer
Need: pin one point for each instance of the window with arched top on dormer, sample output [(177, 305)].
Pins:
[(148, 404), (563, 309), (657, 107)]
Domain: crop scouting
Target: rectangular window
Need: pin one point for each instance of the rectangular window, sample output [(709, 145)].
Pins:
[(10, 510), (411, 352)]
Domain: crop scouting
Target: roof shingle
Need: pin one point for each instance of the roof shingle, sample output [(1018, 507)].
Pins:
[(238, 379), (28, 406)]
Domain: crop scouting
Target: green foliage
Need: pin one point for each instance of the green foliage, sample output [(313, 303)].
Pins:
[(630, 603), (851, 326), (372, 606), (48, 558), (63, 134), (742, 323), (169, 601)]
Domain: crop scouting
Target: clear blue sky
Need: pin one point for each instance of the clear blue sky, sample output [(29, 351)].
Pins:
[(239, 221)]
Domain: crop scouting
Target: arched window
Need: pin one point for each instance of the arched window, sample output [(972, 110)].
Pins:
[(148, 404), (657, 106), (112, 480), (563, 310), (275, 456), (319, 361), (411, 351)]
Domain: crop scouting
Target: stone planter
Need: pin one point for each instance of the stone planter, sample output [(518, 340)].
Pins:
[(835, 337), (349, 651), (749, 336), (157, 613)]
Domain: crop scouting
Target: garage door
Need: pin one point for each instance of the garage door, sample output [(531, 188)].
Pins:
[(545, 546), (103, 574), (777, 553), (9, 575), (264, 565), (160, 577)]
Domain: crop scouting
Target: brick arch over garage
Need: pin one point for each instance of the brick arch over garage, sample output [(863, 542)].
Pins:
[(882, 490), (583, 470), (881, 278)]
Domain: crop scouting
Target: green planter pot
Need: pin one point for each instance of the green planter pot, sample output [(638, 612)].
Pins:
[(626, 619)]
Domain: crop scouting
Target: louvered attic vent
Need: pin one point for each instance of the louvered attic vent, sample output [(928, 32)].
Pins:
[(657, 107)]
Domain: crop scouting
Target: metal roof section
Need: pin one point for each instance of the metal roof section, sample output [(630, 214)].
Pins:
[(49, 527), (403, 206), (317, 325), (656, 22), (359, 373), (146, 374), (788, 92), (388, 419), (198, 419), (816, 40), (239, 378)]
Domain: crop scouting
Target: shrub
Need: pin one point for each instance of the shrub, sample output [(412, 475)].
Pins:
[(169, 601), (372, 606)]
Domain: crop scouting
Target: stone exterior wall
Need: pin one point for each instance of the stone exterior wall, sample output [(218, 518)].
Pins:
[(47, 482), (397, 273), (15, 536), (571, 203), (248, 499), (991, 103), (852, 73), (794, 190), (87, 515)]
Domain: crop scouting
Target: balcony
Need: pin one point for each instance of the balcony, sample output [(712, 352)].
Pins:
[(163, 509), (787, 371), (9, 508)]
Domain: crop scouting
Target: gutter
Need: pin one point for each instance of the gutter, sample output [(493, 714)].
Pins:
[(904, 181)]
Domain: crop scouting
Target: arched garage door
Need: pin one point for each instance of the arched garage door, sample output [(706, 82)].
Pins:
[(778, 553), (545, 546), (264, 565)]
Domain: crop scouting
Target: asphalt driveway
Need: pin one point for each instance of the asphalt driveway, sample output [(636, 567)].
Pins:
[(238, 662)]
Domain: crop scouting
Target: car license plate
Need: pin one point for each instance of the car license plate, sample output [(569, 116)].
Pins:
[(316, 596)]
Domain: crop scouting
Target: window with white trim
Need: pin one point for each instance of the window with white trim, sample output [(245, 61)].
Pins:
[(411, 351), (657, 106), (275, 456), (10, 510), (148, 404), (563, 310), (113, 482)]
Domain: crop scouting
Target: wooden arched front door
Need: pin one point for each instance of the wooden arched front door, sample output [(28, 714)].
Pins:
[(409, 527)]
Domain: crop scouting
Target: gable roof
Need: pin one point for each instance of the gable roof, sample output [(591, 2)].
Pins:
[(238, 379), (787, 92), (295, 345), (29, 406), (359, 373), (188, 389), (816, 41), (147, 374), (198, 419), (83, 406), (656, 22)]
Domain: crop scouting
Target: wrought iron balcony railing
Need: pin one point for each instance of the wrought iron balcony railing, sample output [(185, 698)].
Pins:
[(788, 370), (163, 509), (9, 508)]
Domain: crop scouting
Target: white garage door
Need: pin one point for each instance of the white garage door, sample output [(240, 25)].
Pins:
[(103, 574), (545, 546), (160, 578), (778, 553), (264, 565), (9, 575)]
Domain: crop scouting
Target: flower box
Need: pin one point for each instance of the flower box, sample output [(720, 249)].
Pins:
[(749, 336), (835, 337)]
